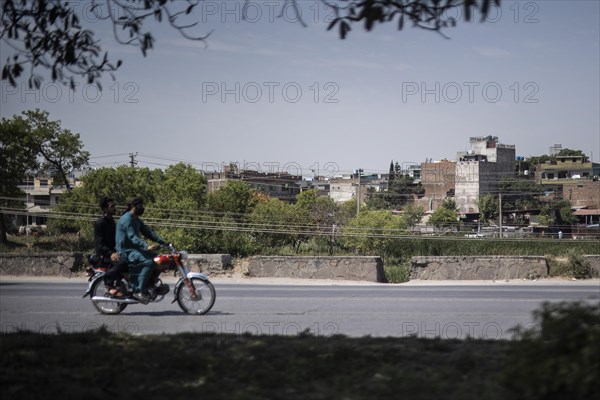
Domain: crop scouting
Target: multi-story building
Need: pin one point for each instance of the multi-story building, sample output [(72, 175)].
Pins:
[(281, 185), (40, 196), (479, 171), (438, 181), (564, 167)]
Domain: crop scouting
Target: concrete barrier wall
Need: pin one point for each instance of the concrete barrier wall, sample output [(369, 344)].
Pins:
[(210, 263), (41, 264), (61, 264), (594, 261), (343, 268), (478, 267)]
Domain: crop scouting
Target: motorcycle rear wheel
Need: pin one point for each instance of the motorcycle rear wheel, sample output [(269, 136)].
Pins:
[(204, 300), (98, 289)]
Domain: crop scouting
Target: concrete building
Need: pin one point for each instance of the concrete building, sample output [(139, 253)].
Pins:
[(564, 167), (343, 189), (438, 181), (480, 169), (41, 195), (281, 185)]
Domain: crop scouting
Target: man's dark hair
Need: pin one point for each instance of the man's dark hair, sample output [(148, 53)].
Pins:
[(104, 201), (134, 202)]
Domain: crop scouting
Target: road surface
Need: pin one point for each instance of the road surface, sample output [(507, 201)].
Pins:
[(427, 309)]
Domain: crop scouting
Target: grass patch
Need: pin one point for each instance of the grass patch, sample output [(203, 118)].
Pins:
[(397, 271), (558, 359), (247, 367)]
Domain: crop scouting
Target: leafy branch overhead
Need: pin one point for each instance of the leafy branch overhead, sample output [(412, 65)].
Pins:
[(426, 14), (49, 36)]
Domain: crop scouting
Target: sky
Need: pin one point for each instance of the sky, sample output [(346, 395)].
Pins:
[(272, 95)]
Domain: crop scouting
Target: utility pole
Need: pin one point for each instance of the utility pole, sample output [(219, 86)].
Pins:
[(133, 161), (500, 209), (358, 172)]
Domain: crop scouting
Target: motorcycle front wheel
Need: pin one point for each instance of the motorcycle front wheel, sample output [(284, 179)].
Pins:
[(105, 307), (196, 298)]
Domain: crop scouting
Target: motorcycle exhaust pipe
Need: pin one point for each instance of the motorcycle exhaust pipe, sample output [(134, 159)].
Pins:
[(114, 300)]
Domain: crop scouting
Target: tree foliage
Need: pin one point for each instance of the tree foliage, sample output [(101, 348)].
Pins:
[(412, 214), (51, 34), (557, 212), (373, 231), (520, 193), (30, 144), (488, 207), (442, 217), (16, 162), (174, 196)]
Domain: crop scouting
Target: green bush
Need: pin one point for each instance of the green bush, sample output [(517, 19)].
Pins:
[(397, 273), (579, 266), (396, 269), (559, 358), (574, 266)]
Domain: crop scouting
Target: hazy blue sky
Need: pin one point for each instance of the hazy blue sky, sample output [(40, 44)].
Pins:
[(271, 94)]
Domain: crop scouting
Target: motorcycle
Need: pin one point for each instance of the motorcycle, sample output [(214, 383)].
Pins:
[(194, 293)]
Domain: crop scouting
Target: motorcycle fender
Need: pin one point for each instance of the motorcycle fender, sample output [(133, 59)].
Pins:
[(190, 275), (92, 280)]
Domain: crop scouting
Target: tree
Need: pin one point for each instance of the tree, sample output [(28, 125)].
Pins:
[(48, 34), (180, 196), (488, 208), (236, 198), (449, 204), (79, 207), (557, 212), (412, 214), (174, 200), (228, 212), (376, 200), (275, 224), (30, 144), (373, 232), (520, 193), (401, 191), (442, 217), (60, 149), (16, 161)]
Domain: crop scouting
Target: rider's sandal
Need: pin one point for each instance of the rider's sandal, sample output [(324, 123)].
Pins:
[(115, 292)]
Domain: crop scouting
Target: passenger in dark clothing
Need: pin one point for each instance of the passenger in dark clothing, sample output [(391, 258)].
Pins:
[(104, 242)]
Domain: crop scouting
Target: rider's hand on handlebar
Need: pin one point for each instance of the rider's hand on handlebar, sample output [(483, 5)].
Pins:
[(153, 247), (115, 257)]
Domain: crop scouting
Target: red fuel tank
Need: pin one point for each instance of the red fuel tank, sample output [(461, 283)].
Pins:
[(162, 259)]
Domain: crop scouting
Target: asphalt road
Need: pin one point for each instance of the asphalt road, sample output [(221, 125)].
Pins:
[(485, 310)]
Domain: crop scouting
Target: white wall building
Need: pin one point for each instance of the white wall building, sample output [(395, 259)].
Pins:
[(479, 171)]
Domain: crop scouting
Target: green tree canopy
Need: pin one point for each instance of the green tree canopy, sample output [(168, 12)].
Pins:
[(412, 214), (520, 193), (443, 217), (30, 144), (173, 200), (488, 207), (373, 232), (16, 161)]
